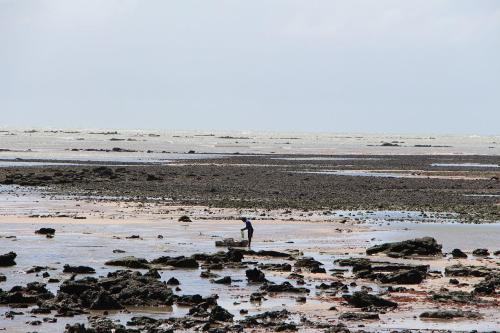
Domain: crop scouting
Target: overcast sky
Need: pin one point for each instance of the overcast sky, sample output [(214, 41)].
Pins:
[(311, 65)]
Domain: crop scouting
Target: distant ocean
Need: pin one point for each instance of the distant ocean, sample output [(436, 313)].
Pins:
[(162, 146)]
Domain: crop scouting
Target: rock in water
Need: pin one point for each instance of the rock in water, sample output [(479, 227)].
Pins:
[(46, 231), (78, 269), (8, 259), (178, 262), (129, 262), (458, 254), (426, 246), (173, 282), (230, 242), (481, 252)]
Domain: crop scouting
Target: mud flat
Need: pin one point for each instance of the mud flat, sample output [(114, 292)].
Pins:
[(467, 185), (111, 264)]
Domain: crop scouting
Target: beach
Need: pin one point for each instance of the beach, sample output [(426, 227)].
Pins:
[(120, 223)]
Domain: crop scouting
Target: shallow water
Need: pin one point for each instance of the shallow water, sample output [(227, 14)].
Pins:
[(171, 145), (91, 242), (465, 165)]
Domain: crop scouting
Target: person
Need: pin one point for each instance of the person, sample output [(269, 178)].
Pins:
[(249, 228)]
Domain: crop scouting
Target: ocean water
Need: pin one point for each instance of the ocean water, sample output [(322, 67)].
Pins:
[(162, 146)]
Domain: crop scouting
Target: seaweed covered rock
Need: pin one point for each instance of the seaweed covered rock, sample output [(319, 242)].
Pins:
[(426, 246)]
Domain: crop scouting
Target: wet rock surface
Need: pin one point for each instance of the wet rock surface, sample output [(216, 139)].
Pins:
[(426, 246), (230, 242), (450, 314), (129, 262), (361, 299), (7, 259)]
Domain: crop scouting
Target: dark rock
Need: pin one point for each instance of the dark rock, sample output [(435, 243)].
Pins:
[(481, 252), (230, 242), (118, 289), (78, 269), (450, 314), (453, 296), (185, 218), (179, 262), (276, 267), (336, 285), (358, 316), (311, 264), (266, 253), (34, 292), (208, 275), (129, 262), (489, 285), (46, 231), (458, 254), (104, 301), (361, 299), (255, 275), (220, 314), (76, 328), (412, 276), (224, 280), (7, 259), (285, 287), (462, 270), (173, 281), (426, 246), (153, 273)]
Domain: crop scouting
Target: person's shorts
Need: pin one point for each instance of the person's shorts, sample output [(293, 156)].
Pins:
[(250, 233)]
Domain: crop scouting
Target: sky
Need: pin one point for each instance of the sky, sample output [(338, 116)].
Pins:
[(407, 66)]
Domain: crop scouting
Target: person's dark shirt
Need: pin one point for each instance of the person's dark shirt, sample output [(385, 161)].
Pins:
[(248, 226)]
